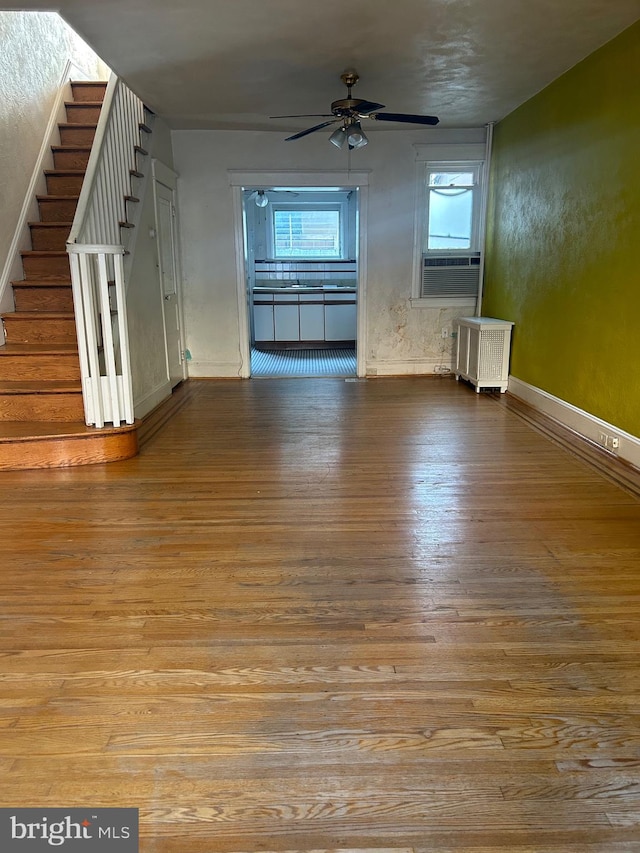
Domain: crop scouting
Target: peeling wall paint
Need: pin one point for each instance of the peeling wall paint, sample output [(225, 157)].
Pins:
[(400, 338), (564, 220)]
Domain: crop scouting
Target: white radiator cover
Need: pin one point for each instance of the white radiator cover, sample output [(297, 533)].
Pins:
[(482, 355)]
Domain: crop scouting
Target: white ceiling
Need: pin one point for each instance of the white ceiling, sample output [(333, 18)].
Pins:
[(233, 63)]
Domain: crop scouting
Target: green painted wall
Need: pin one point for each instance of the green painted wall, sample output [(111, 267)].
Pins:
[(563, 254)]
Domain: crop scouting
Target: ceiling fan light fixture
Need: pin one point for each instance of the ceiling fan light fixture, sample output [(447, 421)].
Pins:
[(261, 199), (339, 137), (356, 136), (348, 112)]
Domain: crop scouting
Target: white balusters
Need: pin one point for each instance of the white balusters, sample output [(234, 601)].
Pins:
[(96, 257)]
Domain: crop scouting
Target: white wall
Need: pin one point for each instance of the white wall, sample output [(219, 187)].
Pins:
[(35, 48), (401, 339)]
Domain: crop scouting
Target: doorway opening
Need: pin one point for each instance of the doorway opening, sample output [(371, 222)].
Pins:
[(301, 272)]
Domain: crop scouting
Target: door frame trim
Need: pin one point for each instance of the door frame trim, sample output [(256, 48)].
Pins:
[(162, 174), (240, 180)]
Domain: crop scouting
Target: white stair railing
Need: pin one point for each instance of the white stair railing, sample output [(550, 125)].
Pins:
[(97, 278), (96, 259)]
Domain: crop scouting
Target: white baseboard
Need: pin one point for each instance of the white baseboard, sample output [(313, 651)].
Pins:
[(214, 369), (409, 368), (148, 403), (586, 425)]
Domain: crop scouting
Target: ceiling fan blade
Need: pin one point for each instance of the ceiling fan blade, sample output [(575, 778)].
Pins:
[(312, 129), (404, 117), (310, 115), (366, 107)]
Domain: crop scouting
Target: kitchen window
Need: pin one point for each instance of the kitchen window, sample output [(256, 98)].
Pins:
[(313, 232)]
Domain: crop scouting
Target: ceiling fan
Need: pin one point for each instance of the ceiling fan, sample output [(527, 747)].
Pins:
[(348, 113)]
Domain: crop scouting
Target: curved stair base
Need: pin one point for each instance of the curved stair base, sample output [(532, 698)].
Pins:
[(25, 445)]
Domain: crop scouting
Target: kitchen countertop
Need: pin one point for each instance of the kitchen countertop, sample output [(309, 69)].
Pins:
[(304, 288)]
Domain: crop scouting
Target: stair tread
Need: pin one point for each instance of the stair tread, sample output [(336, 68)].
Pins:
[(50, 282), (78, 147), (58, 223), (27, 430), (57, 197), (42, 386), (73, 172), (37, 282), (38, 315), (43, 253), (39, 349), (76, 125)]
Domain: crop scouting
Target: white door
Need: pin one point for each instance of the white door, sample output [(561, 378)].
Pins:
[(167, 260)]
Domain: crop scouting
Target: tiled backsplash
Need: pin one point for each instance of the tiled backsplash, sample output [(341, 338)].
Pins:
[(336, 272)]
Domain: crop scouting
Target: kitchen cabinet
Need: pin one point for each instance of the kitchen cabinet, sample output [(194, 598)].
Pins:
[(311, 322), (340, 322), (304, 316), (287, 322), (263, 329)]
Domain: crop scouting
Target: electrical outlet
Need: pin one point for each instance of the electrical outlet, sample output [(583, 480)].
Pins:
[(611, 442), (445, 332)]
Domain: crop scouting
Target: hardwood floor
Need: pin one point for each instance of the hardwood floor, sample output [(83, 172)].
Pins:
[(328, 615)]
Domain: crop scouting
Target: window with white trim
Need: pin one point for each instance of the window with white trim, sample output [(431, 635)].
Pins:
[(314, 231), (450, 231), (452, 199)]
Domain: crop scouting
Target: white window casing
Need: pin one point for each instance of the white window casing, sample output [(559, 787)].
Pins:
[(446, 276)]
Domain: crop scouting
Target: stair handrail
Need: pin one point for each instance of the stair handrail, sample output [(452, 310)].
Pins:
[(96, 260), (101, 204), (88, 181)]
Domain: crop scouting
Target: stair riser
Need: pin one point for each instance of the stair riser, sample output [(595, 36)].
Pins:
[(57, 210), (52, 239), (64, 451), (55, 299), (70, 159), (41, 407), (64, 184), (82, 114), (77, 135), (39, 367), (88, 91), (47, 267), (39, 331)]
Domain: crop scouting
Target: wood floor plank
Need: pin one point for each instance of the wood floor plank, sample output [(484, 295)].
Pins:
[(384, 616)]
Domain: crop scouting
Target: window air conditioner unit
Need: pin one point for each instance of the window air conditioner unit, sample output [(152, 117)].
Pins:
[(450, 275)]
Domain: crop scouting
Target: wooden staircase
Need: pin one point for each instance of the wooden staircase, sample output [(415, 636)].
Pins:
[(41, 408)]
